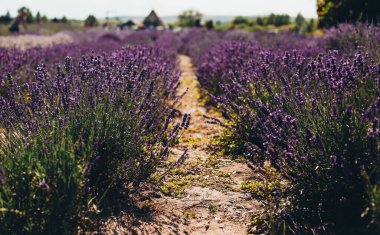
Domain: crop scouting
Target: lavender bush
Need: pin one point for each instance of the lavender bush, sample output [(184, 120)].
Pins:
[(197, 42), (352, 37), (79, 135), (21, 64), (222, 61), (315, 120)]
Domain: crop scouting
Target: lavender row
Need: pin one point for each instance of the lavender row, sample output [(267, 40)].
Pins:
[(21, 64), (83, 133), (308, 120), (348, 38)]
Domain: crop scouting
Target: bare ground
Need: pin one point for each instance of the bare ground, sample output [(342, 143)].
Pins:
[(202, 196)]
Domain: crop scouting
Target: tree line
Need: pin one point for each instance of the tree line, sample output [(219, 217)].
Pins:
[(26, 15), (330, 13), (194, 19), (29, 17)]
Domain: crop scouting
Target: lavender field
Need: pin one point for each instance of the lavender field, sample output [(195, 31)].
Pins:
[(191, 132)]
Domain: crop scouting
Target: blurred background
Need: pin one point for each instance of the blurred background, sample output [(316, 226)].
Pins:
[(46, 17)]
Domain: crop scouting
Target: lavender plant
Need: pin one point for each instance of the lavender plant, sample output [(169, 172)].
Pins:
[(314, 119), (79, 135), (21, 64), (352, 37), (222, 61)]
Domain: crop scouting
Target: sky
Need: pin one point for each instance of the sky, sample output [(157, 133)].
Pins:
[(79, 9)]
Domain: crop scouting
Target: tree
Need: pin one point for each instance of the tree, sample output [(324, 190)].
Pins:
[(280, 20), (209, 24), (44, 18), (38, 17), (6, 19), (310, 26), (24, 11), (277, 20), (241, 20), (270, 19), (91, 21), (333, 12), (190, 18), (300, 20), (260, 21), (64, 20)]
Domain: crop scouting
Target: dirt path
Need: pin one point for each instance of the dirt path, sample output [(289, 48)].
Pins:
[(202, 196)]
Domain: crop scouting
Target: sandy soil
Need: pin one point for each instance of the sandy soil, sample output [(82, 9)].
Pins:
[(203, 196)]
